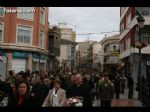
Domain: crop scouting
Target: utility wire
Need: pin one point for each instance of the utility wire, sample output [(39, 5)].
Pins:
[(95, 33)]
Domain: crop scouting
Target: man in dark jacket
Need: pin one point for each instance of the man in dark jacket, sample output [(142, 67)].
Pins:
[(81, 90), (39, 92), (106, 92), (117, 87)]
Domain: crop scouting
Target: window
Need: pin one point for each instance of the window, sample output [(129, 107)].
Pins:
[(106, 47), (114, 47), (122, 27), (128, 20), (42, 17), (144, 10), (121, 47), (73, 50), (24, 34), (29, 14), (128, 42), (1, 32), (145, 38), (1, 11), (41, 39)]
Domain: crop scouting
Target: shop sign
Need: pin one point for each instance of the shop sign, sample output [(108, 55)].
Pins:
[(42, 57), (2, 53), (35, 60), (42, 61), (35, 55), (18, 54)]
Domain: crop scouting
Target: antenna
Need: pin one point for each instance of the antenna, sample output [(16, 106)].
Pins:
[(65, 23), (88, 39), (75, 28)]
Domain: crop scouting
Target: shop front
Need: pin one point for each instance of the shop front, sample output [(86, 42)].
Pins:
[(3, 65), (42, 64), (19, 61), (35, 62)]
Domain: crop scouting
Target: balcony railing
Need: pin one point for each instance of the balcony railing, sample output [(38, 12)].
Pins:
[(54, 50)]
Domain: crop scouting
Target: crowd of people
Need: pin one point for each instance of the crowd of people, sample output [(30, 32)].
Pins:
[(52, 89)]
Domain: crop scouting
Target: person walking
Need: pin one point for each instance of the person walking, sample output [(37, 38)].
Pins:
[(106, 92), (56, 96), (117, 87), (123, 81), (130, 86)]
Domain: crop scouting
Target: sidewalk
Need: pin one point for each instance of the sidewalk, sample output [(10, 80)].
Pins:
[(125, 95), (123, 101)]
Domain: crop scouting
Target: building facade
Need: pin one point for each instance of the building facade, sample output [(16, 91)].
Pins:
[(54, 47), (128, 36), (83, 48), (98, 56), (110, 46), (68, 55), (24, 38), (78, 58), (67, 48)]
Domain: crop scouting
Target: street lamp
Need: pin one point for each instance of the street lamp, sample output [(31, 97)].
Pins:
[(140, 20)]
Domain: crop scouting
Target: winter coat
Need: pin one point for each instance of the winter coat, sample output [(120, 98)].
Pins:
[(40, 92), (61, 95), (83, 91), (106, 90)]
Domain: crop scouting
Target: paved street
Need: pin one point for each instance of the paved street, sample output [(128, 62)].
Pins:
[(123, 101)]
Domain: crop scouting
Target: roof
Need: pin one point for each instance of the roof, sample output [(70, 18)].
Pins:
[(64, 41), (114, 37)]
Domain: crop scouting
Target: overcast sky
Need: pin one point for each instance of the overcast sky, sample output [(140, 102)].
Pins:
[(87, 20)]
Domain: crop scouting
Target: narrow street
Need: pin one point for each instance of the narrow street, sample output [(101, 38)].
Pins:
[(123, 101)]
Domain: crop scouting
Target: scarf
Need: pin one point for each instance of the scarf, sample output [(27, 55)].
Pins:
[(55, 98)]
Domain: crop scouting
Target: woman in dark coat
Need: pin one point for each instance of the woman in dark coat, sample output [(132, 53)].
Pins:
[(21, 98)]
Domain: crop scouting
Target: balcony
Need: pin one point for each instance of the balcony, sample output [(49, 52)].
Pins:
[(111, 60), (54, 51)]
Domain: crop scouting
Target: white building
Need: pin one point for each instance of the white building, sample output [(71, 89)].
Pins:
[(98, 54), (110, 46), (83, 48), (67, 47)]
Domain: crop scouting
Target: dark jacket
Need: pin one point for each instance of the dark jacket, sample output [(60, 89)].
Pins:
[(13, 102), (40, 91), (93, 80), (117, 85), (130, 82), (84, 91), (106, 90)]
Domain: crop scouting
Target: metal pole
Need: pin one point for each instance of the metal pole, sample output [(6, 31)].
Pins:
[(139, 69)]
